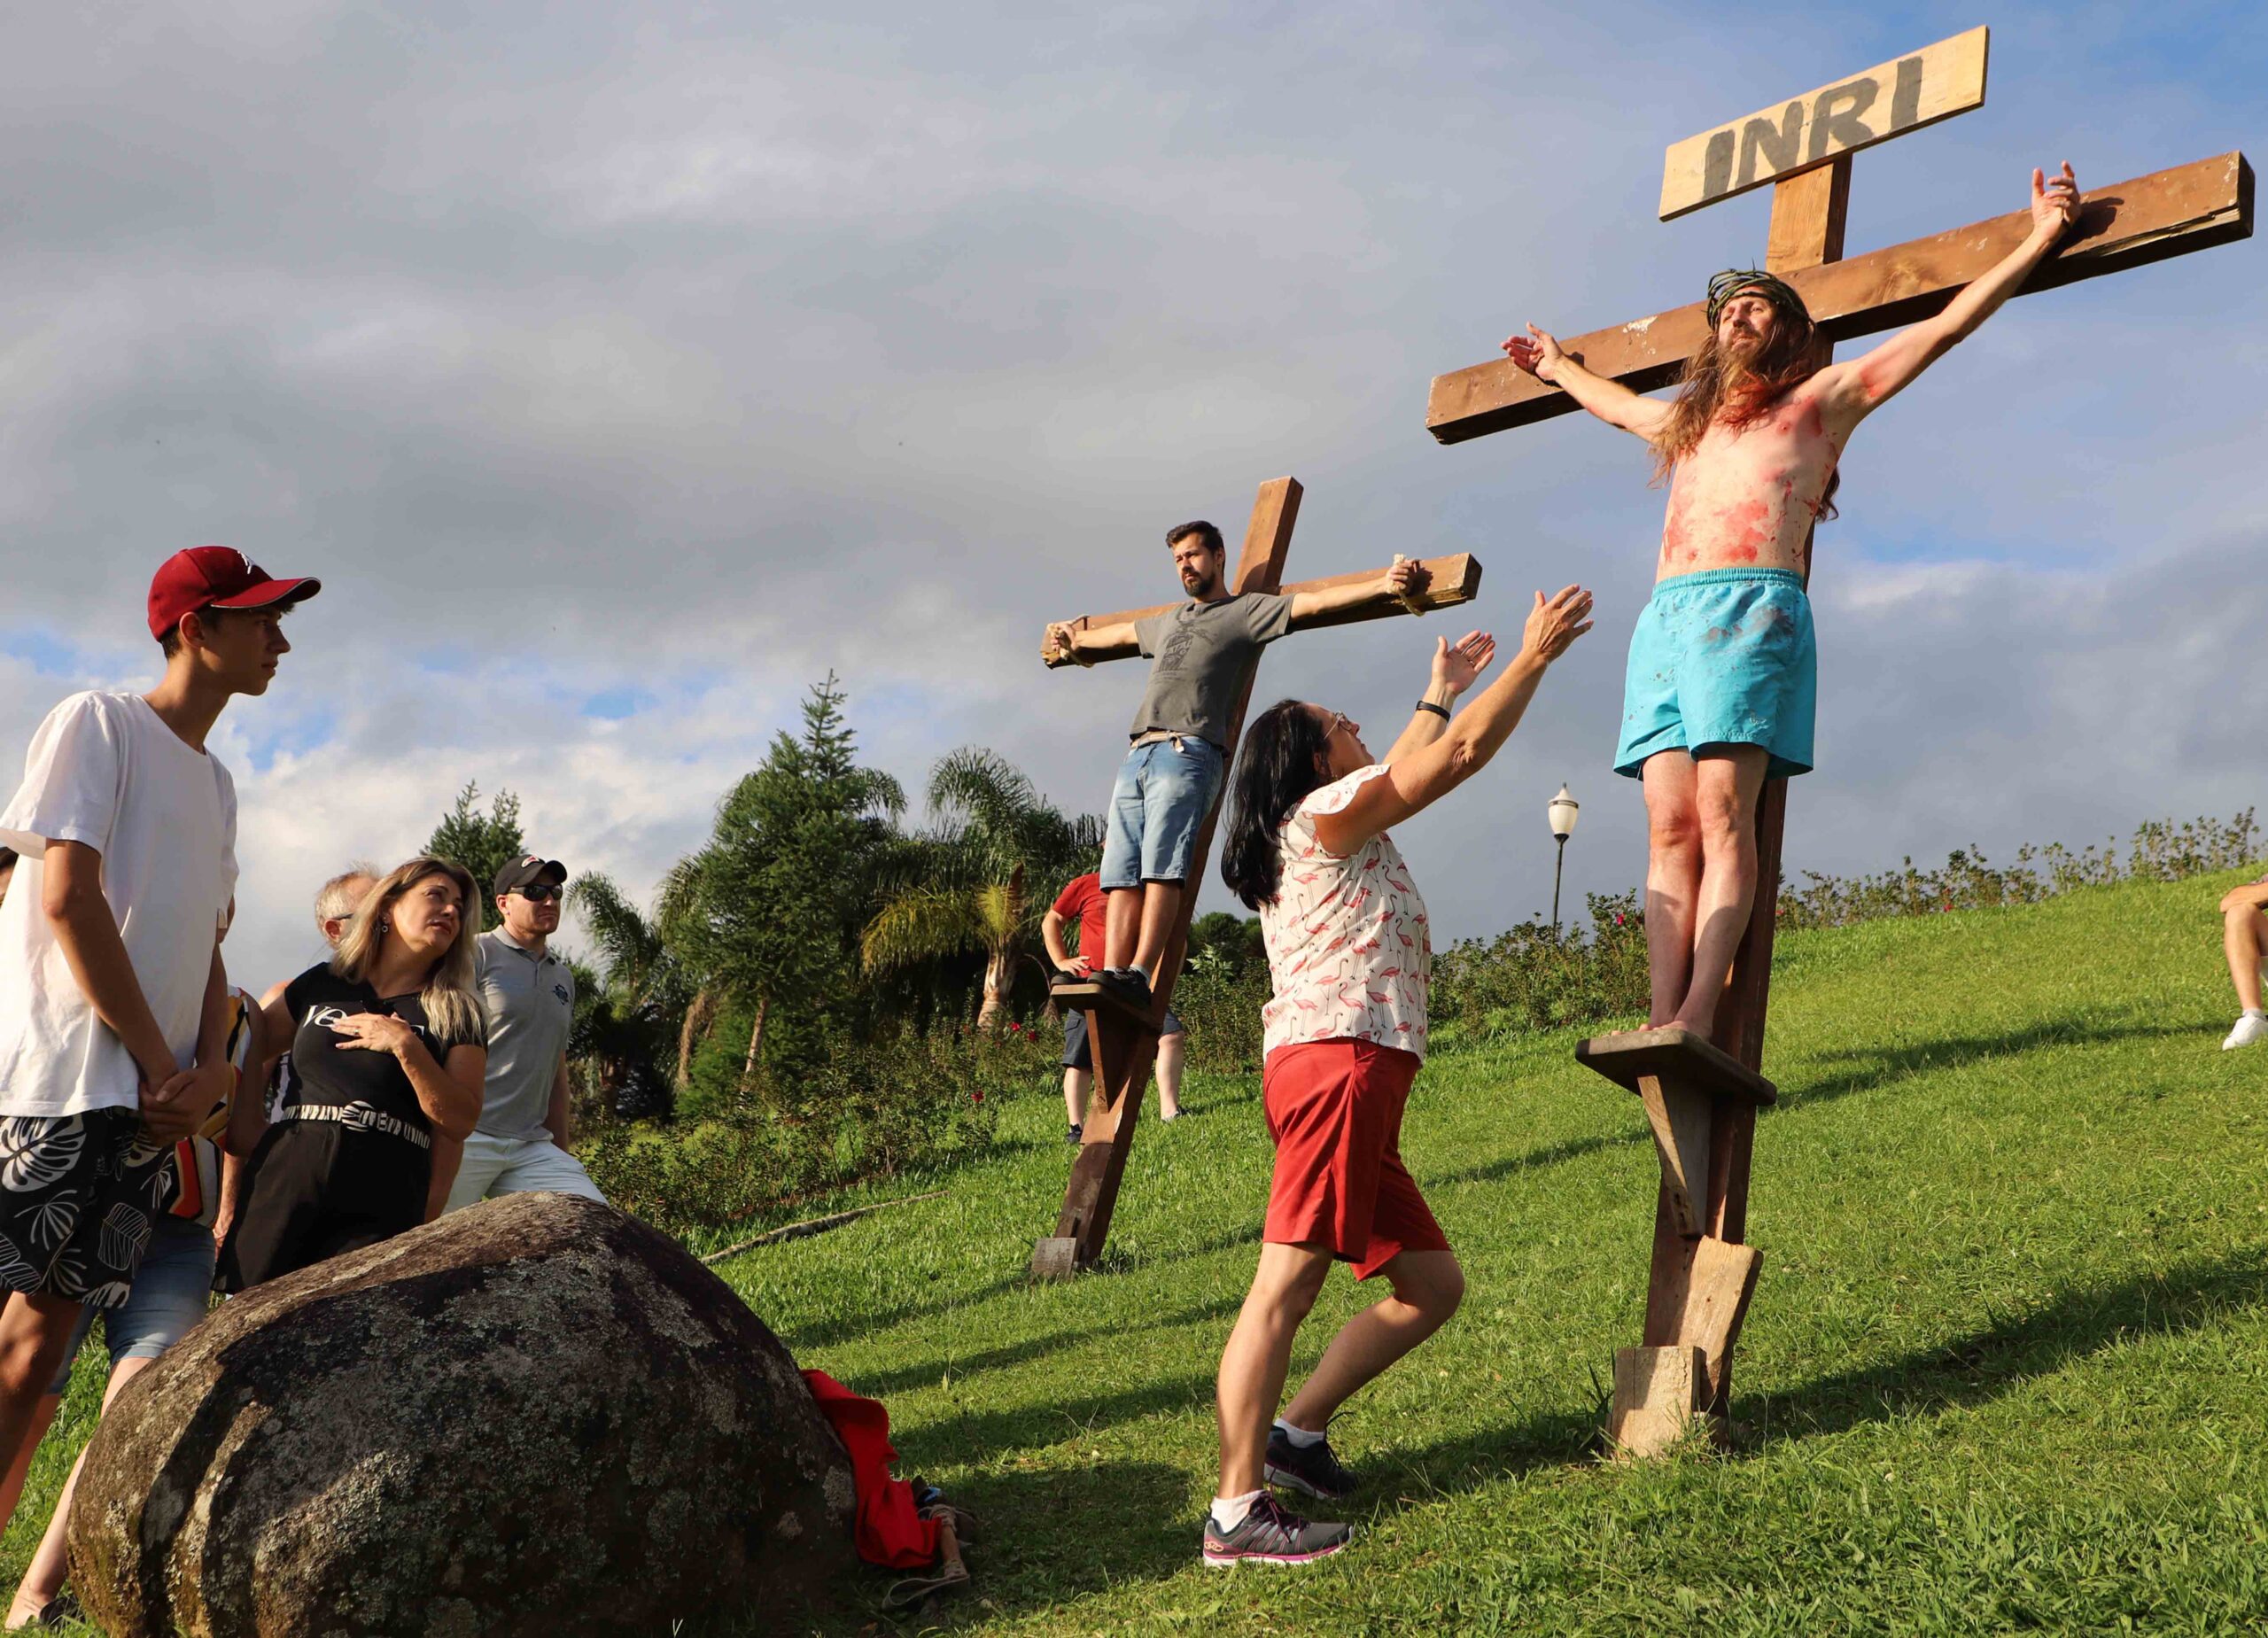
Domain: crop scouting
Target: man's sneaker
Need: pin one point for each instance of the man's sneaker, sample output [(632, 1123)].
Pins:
[(1314, 1469), (1074, 1134), (1269, 1535), (2250, 1027), (1065, 975), (1129, 985)]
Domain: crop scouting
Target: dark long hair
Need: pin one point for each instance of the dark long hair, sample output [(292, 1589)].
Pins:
[(1283, 759)]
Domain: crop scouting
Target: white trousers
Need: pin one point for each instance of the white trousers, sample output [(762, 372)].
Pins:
[(495, 1166)]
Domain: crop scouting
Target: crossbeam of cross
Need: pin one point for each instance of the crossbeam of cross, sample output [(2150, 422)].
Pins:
[(1125, 1044), (1701, 1102)]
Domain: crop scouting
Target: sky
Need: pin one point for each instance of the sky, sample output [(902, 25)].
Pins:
[(622, 371)]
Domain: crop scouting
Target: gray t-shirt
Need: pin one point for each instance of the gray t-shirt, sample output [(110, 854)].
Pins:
[(531, 1009), (1199, 649)]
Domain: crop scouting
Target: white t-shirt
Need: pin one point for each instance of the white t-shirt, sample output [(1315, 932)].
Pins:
[(1348, 948), (105, 770)]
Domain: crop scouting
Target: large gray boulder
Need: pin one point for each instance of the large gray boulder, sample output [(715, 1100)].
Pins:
[(535, 1416)]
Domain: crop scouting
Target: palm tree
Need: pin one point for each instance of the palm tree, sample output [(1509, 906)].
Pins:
[(998, 854), (643, 991)]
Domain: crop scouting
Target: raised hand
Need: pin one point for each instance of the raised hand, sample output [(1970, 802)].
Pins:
[(2055, 203), (1555, 622), (1538, 352), (1455, 667)]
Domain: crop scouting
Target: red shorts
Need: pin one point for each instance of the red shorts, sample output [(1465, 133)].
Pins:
[(1334, 1110)]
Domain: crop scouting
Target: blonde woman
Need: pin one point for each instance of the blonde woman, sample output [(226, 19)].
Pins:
[(388, 1045)]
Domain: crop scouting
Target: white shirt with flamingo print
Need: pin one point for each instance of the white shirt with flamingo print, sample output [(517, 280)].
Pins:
[(1347, 946)]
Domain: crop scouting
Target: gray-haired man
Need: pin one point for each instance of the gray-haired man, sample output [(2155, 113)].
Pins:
[(520, 1147)]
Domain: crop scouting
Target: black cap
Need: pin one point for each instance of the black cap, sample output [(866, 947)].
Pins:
[(522, 873)]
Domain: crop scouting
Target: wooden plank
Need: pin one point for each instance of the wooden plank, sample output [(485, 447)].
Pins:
[(1680, 1119), (2128, 224), (1091, 1197), (1773, 144), (1657, 1395), (1720, 1285), (1677, 1055), (1451, 580)]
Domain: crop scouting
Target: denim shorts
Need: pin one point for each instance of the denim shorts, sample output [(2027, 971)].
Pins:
[(1078, 1055), (1164, 791), (171, 1289)]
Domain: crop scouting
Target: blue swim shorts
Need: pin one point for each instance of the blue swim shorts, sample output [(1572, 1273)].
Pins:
[(1164, 791), (1722, 657)]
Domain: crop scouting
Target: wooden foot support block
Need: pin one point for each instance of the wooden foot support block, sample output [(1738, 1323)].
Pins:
[(1722, 1280), (1658, 1392), (1055, 1258), (1091, 997), (1675, 1055), (1680, 1119)]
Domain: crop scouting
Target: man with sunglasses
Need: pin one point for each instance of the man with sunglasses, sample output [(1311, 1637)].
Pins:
[(520, 1145)]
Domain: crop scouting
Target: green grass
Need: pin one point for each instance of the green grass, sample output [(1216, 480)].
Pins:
[(2007, 1367)]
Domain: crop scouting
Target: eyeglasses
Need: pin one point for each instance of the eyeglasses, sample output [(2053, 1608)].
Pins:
[(542, 892), (1341, 722)]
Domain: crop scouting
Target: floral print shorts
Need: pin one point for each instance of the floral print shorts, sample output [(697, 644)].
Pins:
[(79, 1195)]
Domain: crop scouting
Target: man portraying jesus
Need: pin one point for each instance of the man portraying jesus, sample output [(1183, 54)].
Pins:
[(1722, 673)]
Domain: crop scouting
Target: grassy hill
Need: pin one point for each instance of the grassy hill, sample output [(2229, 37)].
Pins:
[(2007, 1367)]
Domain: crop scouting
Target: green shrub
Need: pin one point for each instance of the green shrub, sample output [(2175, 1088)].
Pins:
[(899, 1103), (1536, 977), (1220, 1001)]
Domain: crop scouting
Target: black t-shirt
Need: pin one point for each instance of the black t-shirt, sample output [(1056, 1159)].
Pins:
[(325, 1070)]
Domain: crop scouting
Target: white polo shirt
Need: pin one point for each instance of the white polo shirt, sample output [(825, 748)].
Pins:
[(531, 1009)]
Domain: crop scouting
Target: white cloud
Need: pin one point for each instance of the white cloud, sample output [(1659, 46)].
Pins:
[(692, 354)]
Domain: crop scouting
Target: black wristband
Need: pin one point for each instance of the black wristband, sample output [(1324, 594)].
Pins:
[(1442, 711)]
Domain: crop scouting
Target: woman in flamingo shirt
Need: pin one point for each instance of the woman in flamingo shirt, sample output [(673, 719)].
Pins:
[(1350, 956)]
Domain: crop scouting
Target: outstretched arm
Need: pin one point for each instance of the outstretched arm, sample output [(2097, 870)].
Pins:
[(1848, 392), (1539, 353), (1079, 643), (1454, 672), (1403, 580), (1423, 778)]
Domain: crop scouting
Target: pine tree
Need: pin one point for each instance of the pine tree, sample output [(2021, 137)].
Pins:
[(484, 844), (774, 904)]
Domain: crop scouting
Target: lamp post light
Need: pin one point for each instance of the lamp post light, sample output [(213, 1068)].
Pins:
[(1561, 813)]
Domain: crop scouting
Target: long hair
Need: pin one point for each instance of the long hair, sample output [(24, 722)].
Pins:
[(1740, 392), (451, 994), (1283, 759)]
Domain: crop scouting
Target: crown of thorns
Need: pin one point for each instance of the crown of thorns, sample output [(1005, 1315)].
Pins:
[(1736, 281)]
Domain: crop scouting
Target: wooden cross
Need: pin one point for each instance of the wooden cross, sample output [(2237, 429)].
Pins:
[(1699, 1101), (1125, 1044)]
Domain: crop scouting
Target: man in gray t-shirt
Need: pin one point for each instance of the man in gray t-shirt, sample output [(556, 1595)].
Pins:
[(520, 1145), (1203, 649)]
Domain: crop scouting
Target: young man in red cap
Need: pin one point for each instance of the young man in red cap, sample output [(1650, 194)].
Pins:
[(113, 1004)]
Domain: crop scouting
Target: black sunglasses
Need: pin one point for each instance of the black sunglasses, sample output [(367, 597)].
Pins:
[(542, 892)]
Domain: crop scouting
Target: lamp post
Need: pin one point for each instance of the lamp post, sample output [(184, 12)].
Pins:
[(1561, 813)]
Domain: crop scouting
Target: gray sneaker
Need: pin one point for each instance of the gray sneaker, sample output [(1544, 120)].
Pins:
[(1314, 1469), (1269, 1535)]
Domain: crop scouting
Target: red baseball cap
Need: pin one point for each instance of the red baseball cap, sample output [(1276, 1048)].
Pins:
[(215, 577)]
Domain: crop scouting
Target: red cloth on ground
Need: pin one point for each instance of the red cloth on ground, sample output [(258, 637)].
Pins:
[(1082, 901), (1334, 1111), (890, 1532)]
